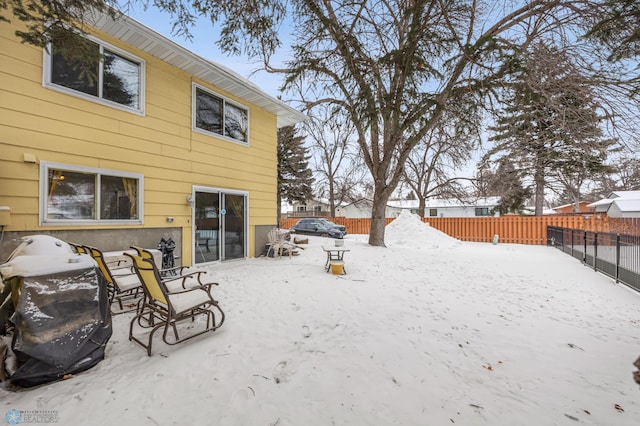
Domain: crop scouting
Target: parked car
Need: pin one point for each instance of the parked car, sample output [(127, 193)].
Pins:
[(326, 222), (311, 226), (334, 225)]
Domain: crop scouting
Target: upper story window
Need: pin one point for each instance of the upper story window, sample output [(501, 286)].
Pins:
[(114, 78), (214, 114), (73, 194)]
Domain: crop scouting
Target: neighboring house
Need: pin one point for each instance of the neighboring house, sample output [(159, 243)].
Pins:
[(310, 208), (162, 143), (452, 207), (569, 208), (362, 209), (433, 208), (619, 204)]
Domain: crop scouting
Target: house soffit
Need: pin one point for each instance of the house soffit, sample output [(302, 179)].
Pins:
[(138, 35)]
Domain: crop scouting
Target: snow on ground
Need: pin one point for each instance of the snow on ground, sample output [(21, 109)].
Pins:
[(428, 331)]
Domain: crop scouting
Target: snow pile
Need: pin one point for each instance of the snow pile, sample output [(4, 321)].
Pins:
[(408, 230)]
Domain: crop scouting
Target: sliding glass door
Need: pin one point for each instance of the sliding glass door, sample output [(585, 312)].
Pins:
[(234, 226), (207, 227), (220, 225)]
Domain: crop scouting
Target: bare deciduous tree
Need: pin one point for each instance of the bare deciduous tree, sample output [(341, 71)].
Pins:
[(616, 25), (394, 67), (337, 166), (624, 176), (432, 166)]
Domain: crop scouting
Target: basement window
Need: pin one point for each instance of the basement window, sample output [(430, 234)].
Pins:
[(83, 195)]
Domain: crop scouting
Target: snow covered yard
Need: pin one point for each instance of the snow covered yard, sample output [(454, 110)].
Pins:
[(428, 331)]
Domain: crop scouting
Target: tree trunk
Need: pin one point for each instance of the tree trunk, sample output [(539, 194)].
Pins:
[(378, 216), (422, 203), (279, 209), (576, 201), (332, 201), (539, 191)]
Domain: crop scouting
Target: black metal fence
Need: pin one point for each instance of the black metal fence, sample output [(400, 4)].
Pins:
[(615, 255)]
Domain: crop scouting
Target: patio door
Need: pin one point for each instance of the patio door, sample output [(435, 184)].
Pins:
[(219, 225)]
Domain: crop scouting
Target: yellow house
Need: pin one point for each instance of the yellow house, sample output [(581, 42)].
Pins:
[(157, 143)]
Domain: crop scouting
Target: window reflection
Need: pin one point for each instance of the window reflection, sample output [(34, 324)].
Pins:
[(71, 195), (214, 114), (121, 80), (75, 74), (208, 112), (235, 122)]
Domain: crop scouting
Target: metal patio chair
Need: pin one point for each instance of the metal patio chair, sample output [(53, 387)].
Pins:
[(123, 284), (165, 309)]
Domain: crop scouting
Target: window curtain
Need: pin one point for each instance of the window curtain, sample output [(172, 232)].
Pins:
[(55, 176), (131, 189)]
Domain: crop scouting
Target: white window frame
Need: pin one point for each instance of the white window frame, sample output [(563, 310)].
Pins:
[(225, 101), (47, 69), (43, 197), (218, 190)]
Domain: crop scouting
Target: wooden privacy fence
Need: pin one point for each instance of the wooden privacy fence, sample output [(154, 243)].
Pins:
[(510, 229), (354, 225)]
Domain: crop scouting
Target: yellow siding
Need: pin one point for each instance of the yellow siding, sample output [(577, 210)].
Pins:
[(57, 127)]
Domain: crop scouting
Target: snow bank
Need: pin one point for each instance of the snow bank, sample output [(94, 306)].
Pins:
[(408, 230)]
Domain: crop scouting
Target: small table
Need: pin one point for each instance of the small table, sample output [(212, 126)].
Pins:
[(334, 253)]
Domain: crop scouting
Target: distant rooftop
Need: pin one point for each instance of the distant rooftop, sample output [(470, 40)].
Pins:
[(446, 202), (626, 201)]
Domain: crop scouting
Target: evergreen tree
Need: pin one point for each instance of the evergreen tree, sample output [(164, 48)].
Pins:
[(550, 129), (507, 184), (294, 176)]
